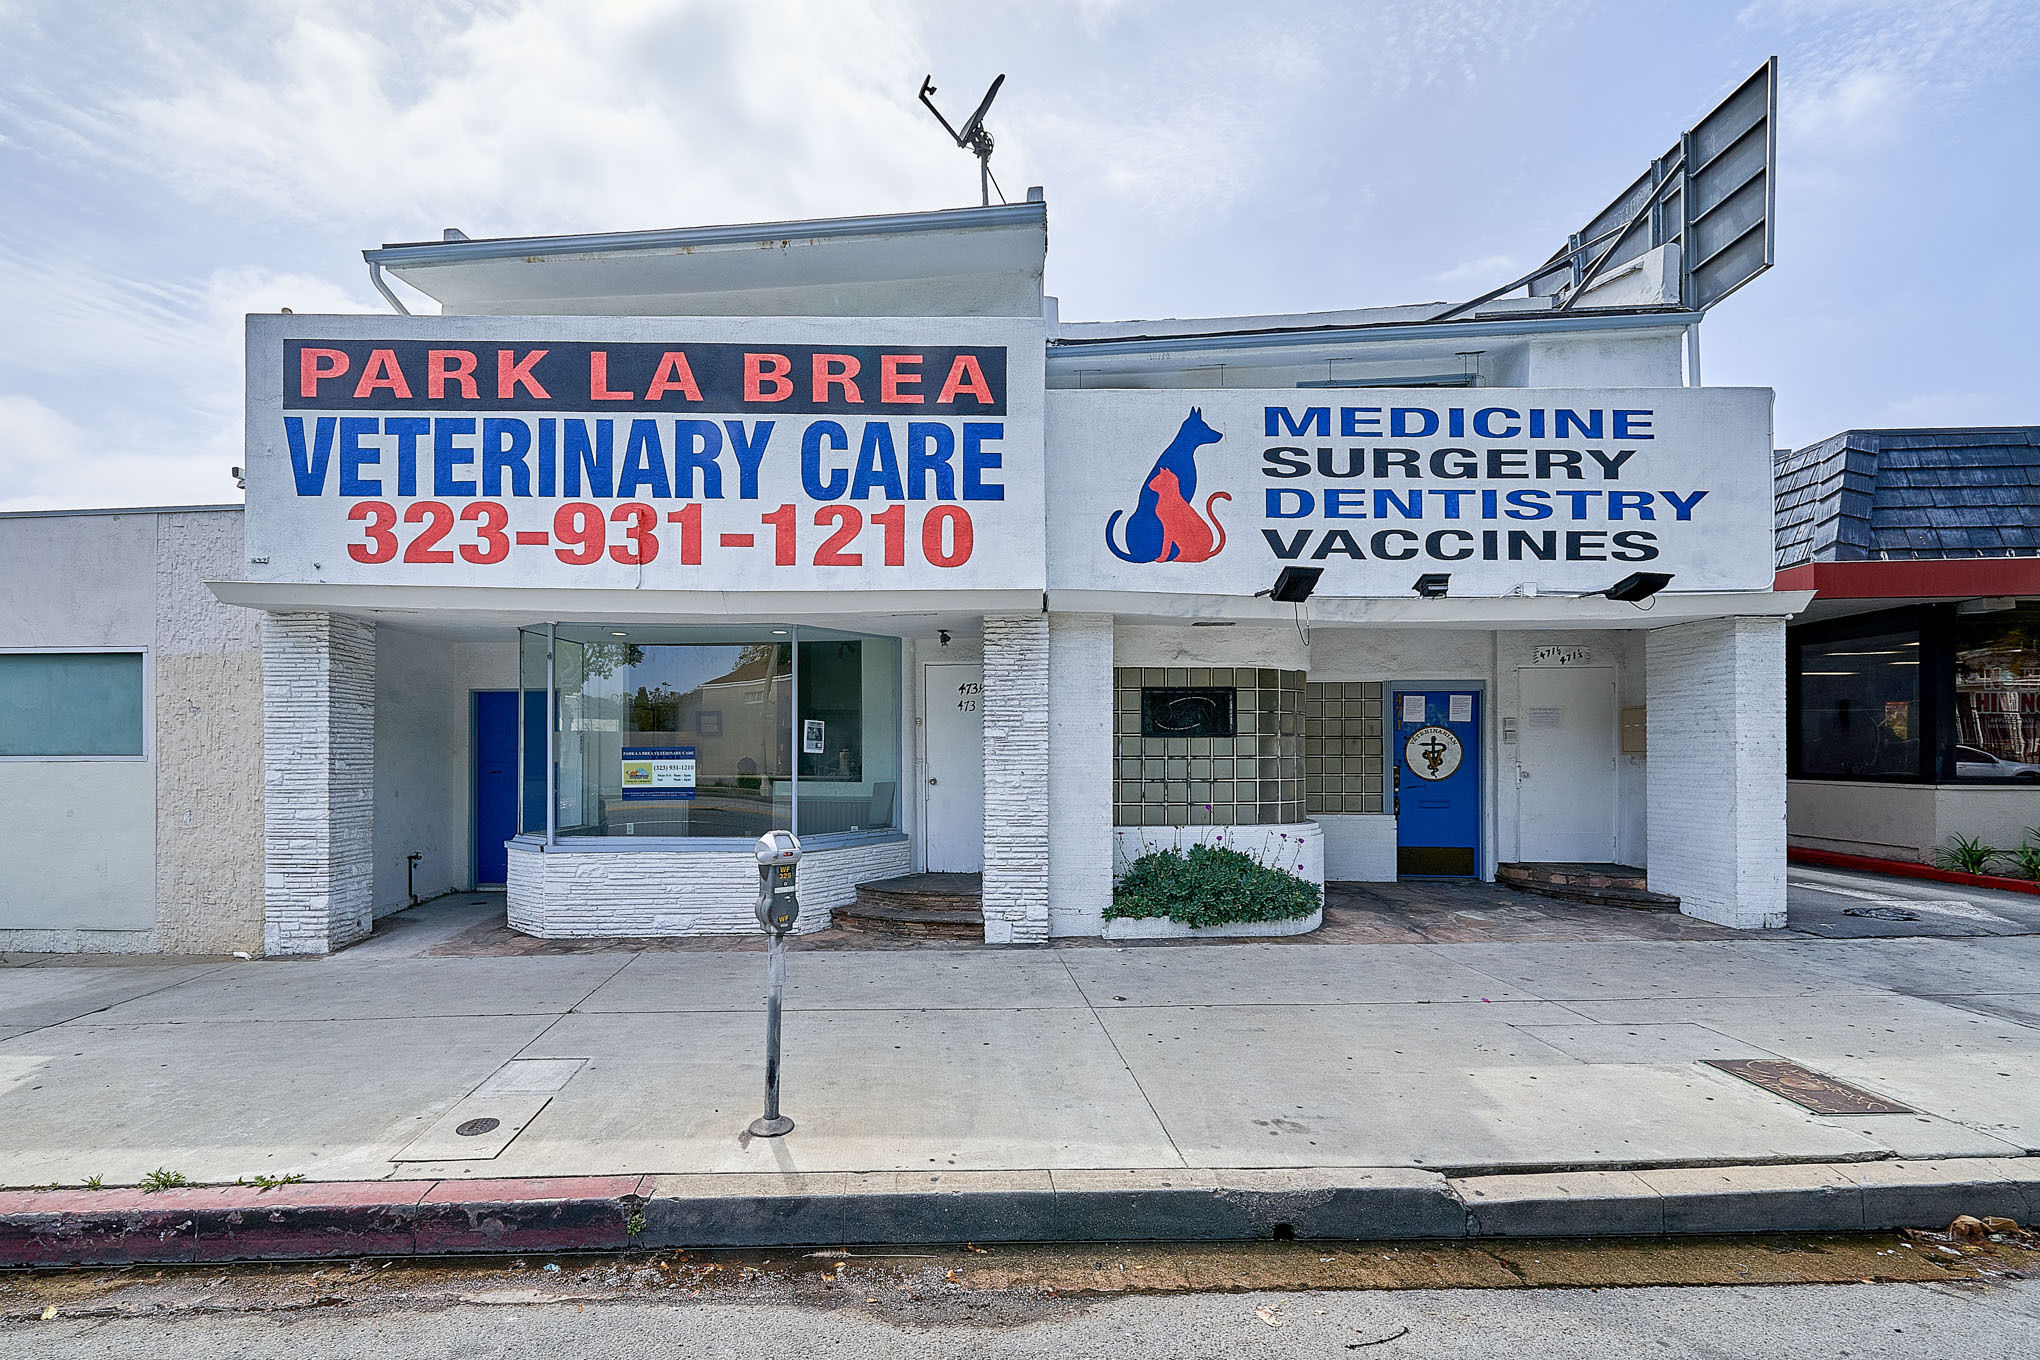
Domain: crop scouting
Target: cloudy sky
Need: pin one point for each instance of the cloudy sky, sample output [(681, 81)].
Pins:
[(166, 168)]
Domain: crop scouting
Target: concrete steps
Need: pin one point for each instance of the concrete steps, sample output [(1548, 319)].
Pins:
[(1598, 885), (917, 906)]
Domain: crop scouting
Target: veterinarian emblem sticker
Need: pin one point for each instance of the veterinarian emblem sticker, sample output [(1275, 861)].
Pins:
[(1433, 753), (1165, 524)]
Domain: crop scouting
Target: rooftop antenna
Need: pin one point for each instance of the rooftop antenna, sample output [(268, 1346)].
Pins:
[(972, 137)]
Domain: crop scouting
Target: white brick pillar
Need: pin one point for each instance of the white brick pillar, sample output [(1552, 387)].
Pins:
[(1016, 778), (1079, 772), (1716, 839), (318, 781)]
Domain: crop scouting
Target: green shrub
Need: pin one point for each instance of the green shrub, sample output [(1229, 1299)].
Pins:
[(1210, 886), (2025, 859), (1966, 854)]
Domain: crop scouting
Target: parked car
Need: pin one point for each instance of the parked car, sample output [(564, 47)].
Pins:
[(1973, 762)]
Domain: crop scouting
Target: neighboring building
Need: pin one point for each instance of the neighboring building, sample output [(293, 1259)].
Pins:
[(131, 744), (1914, 677), (653, 541)]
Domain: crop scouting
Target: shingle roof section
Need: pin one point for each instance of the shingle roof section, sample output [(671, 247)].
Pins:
[(1881, 494)]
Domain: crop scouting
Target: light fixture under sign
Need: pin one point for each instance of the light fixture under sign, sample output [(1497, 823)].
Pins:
[(1293, 585), (1638, 585)]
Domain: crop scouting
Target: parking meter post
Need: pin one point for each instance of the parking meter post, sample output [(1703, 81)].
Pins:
[(773, 1123), (778, 908)]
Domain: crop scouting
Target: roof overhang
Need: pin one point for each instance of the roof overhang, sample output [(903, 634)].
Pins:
[(955, 262), (1916, 579)]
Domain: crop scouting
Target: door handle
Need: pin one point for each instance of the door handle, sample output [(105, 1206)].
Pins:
[(931, 779)]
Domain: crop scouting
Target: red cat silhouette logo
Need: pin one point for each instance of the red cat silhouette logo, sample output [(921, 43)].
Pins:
[(1165, 525)]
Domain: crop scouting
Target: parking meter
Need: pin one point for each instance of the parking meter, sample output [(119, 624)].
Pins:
[(778, 908), (778, 902)]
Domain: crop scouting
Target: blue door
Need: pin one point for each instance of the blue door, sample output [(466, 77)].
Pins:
[(495, 781), (1437, 783)]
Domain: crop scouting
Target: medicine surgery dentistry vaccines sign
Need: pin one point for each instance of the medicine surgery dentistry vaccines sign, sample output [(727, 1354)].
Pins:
[(659, 453), (1213, 492)]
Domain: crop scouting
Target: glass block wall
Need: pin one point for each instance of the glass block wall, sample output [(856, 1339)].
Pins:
[(1342, 748), (1254, 778)]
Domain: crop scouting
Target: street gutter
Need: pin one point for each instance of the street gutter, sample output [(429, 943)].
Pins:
[(313, 1221)]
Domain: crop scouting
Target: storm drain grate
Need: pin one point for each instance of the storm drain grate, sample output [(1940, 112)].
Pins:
[(1803, 1086)]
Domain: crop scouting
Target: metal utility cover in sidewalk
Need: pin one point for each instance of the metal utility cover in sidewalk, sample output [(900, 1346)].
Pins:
[(481, 1125), (1804, 1086)]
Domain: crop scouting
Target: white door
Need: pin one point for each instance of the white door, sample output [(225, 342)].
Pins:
[(953, 768), (1565, 756)]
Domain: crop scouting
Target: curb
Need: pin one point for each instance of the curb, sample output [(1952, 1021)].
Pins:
[(47, 1228), (1905, 868)]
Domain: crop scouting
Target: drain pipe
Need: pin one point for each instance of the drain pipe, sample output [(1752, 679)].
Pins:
[(375, 277), (411, 875)]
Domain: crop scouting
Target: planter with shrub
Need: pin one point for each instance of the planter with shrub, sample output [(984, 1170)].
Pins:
[(1210, 890)]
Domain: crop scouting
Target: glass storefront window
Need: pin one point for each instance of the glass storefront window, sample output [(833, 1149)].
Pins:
[(691, 733), (1997, 695), (849, 732), (1859, 707), (531, 731)]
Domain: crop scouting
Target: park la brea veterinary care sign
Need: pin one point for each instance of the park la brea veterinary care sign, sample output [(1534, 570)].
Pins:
[(722, 454), (1213, 492)]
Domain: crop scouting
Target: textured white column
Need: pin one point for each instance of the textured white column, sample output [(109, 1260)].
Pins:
[(318, 781), (1079, 772), (1016, 778), (1716, 768)]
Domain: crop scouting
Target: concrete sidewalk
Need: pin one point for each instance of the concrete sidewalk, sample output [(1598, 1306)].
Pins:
[(1336, 1062)]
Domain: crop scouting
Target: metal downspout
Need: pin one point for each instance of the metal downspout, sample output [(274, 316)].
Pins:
[(375, 277)]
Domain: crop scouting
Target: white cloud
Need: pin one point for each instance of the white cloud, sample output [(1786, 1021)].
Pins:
[(524, 117), (53, 463), (151, 375), (1856, 73)]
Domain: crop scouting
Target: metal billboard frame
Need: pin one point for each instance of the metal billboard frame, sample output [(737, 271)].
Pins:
[(1714, 194)]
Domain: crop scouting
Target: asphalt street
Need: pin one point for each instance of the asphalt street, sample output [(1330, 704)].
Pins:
[(1977, 1322)]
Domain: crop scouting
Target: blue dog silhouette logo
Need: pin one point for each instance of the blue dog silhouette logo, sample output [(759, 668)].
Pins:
[(1165, 525)]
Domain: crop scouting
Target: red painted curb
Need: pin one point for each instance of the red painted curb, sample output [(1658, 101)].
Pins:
[(1904, 868), (127, 1225)]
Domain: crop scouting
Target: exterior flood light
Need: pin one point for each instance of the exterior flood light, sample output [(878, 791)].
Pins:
[(1638, 585), (1432, 585), (1293, 585)]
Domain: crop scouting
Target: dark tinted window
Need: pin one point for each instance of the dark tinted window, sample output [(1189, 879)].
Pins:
[(1859, 706), (1187, 712)]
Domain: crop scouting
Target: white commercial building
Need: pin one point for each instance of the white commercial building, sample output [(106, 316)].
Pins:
[(651, 542)]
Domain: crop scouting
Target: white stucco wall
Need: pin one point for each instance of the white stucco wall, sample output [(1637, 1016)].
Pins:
[(424, 771), (1359, 847), (1080, 844), (1626, 360), (208, 711)]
